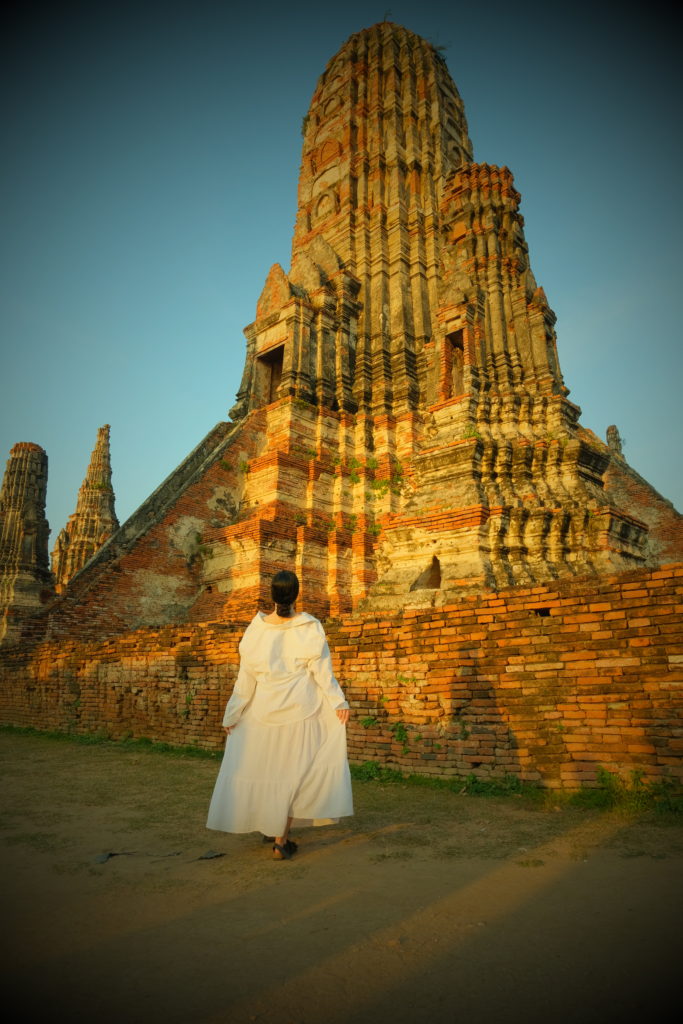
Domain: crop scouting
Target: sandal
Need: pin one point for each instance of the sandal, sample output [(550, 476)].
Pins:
[(285, 850)]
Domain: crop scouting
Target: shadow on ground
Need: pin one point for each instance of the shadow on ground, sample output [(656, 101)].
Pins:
[(426, 906)]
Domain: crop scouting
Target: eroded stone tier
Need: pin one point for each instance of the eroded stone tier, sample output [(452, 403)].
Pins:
[(94, 519), (505, 486), (25, 578)]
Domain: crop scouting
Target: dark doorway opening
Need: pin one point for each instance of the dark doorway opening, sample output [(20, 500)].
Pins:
[(272, 363)]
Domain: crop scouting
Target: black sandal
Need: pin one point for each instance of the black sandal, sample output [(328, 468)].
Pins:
[(285, 850)]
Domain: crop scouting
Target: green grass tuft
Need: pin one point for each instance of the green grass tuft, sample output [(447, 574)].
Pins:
[(142, 743), (631, 795), (613, 793)]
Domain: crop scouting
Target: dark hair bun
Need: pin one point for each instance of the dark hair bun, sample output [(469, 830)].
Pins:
[(284, 589)]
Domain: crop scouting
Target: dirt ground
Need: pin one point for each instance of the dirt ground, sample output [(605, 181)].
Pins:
[(425, 906)]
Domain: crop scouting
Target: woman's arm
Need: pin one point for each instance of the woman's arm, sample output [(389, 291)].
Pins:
[(242, 693), (323, 673)]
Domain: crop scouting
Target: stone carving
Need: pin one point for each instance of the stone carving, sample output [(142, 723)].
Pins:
[(615, 441), (94, 520)]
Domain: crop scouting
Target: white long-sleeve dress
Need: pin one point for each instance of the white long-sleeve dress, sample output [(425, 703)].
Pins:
[(286, 754)]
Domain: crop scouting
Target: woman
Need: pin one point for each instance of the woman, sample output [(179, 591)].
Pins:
[(285, 758)]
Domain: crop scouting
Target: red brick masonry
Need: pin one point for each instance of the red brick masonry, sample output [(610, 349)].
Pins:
[(547, 683)]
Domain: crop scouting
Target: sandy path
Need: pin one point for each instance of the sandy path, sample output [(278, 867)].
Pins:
[(426, 906)]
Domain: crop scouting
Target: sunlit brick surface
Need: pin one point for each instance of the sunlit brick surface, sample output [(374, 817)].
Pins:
[(547, 683)]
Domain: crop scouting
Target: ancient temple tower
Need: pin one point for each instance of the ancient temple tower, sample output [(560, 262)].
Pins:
[(94, 519), (411, 354), (402, 433), (25, 578)]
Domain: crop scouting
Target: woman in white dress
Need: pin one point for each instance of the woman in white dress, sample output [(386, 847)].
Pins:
[(285, 758)]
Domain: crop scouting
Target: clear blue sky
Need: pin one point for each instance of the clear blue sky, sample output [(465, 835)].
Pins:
[(151, 156)]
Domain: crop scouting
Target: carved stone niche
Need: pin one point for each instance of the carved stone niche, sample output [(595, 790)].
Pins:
[(268, 367), (329, 151), (325, 206), (454, 364), (430, 578)]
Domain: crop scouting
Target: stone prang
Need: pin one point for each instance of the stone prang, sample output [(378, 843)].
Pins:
[(25, 579), (94, 520), (407, 368)]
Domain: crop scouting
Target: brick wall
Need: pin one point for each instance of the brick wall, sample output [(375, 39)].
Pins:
[(547, 683), (630, 491)]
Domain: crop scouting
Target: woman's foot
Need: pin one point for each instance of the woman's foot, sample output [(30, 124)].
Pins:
[(284, 850)]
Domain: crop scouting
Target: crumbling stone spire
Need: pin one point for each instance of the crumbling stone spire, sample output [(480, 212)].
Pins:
[(94, 519), (411, 350), (25, 578), (385, 129)]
